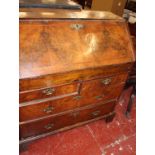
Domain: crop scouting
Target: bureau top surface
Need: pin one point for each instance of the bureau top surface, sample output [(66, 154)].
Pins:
[(57, 46), (46, 13)]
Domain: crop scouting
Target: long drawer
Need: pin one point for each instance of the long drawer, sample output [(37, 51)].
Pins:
[(58, 122), (37, 110)]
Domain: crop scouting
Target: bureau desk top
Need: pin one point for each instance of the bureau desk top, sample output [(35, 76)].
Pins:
[(42, 13), (63, 41), (73, 67)]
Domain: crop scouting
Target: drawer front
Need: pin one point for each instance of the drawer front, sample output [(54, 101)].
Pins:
[(94, 95), (46, 125), (48, 92), (37, 110), (101, 89), (101, 83), (58, 122), (95, 111)]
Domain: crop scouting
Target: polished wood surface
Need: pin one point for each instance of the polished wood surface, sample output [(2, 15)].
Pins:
[(108, 118), (55, 107), (57, 122), (50, 14), (97, 41), (85, 96), (68, 77), (50, 92), (73, 67), (46, 108), (108, 93)]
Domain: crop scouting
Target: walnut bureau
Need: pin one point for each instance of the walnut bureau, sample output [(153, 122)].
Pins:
[(73, 67)]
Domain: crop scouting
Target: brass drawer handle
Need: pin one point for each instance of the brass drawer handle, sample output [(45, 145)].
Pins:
[(106, 81), (96, 113), (49, 109), (77, 26), (49, 126), (48, 91)]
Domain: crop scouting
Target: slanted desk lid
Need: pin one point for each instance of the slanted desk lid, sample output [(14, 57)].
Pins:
[(57, 46)]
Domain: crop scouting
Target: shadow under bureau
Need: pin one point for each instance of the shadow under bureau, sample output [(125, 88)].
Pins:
[(73, 67)]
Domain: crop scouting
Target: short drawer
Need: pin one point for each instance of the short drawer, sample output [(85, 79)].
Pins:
[(99, 84), (48, 92), (57, 122), (101, 89), (95, 94)]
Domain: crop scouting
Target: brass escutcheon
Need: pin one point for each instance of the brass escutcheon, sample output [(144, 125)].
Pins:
[(48, 126), (106, 81), (77, 26), (96, 113), (48, 109), (48, 91)]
